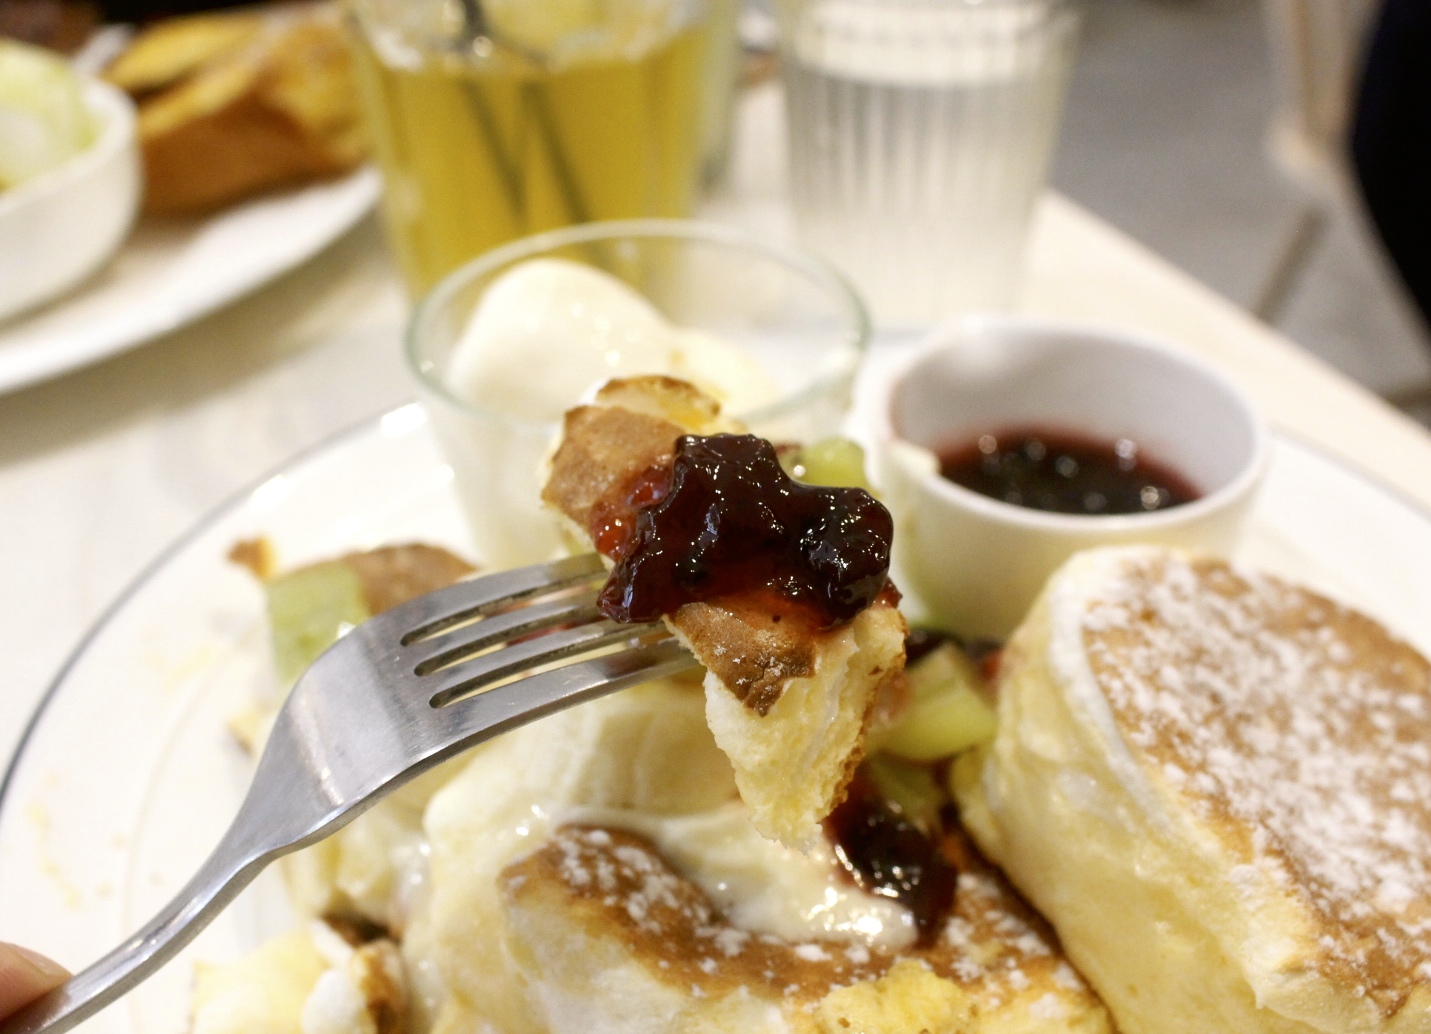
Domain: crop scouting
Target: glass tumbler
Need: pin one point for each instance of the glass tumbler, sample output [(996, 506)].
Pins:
[(496, 119), (920, 138), (789, 312)]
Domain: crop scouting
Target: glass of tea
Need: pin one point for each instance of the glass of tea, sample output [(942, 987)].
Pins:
[(495, 119)]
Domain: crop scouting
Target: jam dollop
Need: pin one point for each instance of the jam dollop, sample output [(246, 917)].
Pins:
[(886, 854), (1066, 472), (733, 522)]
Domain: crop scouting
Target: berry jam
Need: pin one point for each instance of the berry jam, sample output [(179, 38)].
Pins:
[(732, 522), (1063, 472), (888, 855)]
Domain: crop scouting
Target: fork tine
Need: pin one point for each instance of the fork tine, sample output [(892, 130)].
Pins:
[(432, 654), (430, 614), (517, 703), (468, 676)]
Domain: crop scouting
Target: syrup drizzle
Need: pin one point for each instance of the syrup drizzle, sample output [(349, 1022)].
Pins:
[(888, 855)]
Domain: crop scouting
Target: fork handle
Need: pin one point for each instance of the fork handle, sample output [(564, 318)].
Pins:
[(218, 881)]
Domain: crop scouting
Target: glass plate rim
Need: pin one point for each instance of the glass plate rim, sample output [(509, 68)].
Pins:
[(231, 504)]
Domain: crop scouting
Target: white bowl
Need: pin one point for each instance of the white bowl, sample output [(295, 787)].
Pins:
[(978, 563), (59, 227)]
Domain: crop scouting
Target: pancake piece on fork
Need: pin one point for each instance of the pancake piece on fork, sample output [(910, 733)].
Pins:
[(1217, 787), (787, 697)]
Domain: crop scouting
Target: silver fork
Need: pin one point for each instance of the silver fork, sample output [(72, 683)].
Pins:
[(395, 696)]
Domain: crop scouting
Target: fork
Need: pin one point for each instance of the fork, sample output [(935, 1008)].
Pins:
[(397, 695)]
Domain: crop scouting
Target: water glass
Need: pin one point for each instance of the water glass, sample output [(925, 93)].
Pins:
[(920, 138)]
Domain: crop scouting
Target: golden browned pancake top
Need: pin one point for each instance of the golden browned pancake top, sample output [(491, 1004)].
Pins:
[(603, 451), (1300, 730), (619, 885)]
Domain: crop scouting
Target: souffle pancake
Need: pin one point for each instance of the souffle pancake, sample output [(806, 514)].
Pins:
[(1217, 787), (611, 938), (595, 873), (780, 590)]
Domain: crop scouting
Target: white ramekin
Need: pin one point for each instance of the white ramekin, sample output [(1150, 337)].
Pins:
[(977, 563), (61, 226)]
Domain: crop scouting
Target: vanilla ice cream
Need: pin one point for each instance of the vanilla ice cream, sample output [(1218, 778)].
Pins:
[(549, 331), (544, 335)]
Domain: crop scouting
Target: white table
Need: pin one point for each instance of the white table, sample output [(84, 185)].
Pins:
[(102, 469)]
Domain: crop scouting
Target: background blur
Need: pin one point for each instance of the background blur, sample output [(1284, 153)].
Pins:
[(1167, 136), (1211, 131)]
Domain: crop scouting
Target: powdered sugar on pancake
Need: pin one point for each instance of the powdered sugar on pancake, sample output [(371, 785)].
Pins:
[(1298, 729), (617, 884)]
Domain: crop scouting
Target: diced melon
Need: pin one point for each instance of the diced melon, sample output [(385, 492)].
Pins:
[(831, 462), (944, 724), (949, 713), (308, 610), (944, 664), (912, 787)]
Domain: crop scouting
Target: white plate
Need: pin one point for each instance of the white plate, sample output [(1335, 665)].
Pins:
[(127, 776), (172, 271)]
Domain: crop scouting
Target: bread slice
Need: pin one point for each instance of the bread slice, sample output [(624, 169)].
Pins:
[(230, 108), (1215, 785), (173, 49), (787, 702)]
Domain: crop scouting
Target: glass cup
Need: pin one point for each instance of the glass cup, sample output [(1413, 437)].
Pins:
[(920, 138), (790, 312), (495, 119), (723, 68)]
